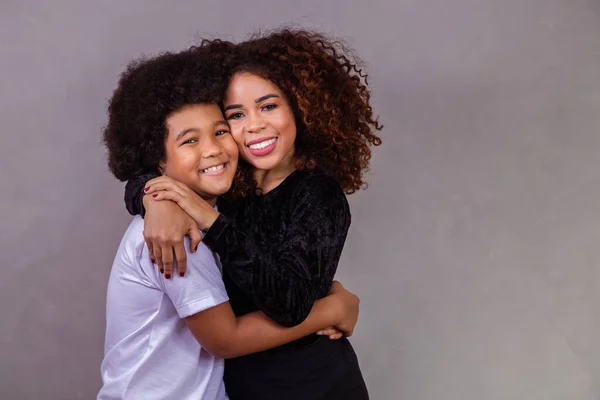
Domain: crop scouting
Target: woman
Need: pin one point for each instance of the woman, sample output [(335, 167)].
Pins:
[(300, 114), (163, 117)]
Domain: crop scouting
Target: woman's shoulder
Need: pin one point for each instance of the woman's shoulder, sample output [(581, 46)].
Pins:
[(317, 180), (318, 186)]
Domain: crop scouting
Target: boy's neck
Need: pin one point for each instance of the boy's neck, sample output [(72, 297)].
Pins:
[(212, 200)]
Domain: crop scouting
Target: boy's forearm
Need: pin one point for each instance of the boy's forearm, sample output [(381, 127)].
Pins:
[(256, 332)]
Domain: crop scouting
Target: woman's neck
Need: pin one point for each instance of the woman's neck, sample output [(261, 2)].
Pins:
[(269, 179)]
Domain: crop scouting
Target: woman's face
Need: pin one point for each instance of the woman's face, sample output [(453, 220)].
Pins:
[(200, 151), (261, 121)]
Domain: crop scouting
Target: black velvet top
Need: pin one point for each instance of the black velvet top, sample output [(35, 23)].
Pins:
[(279, 253), (282, 248)]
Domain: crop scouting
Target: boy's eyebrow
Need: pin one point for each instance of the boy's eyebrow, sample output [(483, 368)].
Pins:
[(185, 132), (189, 130), (260, 99)]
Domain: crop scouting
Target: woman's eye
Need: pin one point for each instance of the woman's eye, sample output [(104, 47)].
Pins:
[(236, 115), (269, 107), (190, 141), (219, 133)]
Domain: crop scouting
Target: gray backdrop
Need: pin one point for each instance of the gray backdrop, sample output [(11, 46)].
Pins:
[(475, 250)]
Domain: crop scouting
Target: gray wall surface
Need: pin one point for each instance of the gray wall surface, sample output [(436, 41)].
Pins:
[(475, 250)]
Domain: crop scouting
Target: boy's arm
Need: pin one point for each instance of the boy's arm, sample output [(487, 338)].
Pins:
[(201, 301), (221, 333)]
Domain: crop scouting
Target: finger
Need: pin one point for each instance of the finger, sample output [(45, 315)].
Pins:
[(148, 241), (167, 259), (327, 332), (180, 258), (157, 253), (335, 336), (194, 235), (168, 195), (150, 251), (170, 185), (151, 182)]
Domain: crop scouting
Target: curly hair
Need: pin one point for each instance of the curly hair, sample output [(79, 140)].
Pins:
[(150, 90), (328, 94)]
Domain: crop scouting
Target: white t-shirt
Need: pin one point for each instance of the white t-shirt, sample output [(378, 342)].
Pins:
[(149, 352)]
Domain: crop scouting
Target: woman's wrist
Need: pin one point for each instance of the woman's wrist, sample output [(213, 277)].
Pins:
[(208, 219), (145, 201)]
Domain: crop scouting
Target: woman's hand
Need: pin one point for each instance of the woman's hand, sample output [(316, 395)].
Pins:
[(165, 188), (349, 308), (165, 226)]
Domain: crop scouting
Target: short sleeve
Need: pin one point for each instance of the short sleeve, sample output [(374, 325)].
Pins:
[(202, 286)]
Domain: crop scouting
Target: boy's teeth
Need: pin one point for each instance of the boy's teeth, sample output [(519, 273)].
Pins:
[(213, 169), (262, 145)]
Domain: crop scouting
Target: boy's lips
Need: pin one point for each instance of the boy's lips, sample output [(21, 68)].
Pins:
[(215, 169)]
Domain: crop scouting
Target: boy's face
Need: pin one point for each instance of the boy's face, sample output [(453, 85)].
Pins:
[(201, 152)]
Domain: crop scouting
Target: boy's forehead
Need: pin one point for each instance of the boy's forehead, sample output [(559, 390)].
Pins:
[(195, 115)]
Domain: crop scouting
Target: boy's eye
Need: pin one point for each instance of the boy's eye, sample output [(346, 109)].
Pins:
[(221, 132), (190, 141)]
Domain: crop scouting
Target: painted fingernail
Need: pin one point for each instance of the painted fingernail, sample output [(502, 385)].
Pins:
[(152, 259), (181, 274), (162, 271), (168, 276), (154, 195), (146, 189)]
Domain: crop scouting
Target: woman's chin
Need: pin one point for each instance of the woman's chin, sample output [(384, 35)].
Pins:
[(264, 163)]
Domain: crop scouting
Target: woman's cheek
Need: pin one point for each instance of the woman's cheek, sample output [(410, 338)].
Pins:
[(237, 136)]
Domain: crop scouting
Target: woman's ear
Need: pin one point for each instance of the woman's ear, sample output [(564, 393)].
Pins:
[(161, 167)]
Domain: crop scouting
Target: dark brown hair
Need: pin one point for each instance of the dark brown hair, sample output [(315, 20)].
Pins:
[(328, 94)]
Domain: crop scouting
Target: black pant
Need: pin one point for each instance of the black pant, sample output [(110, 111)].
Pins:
[(351, 386), (324, 370)]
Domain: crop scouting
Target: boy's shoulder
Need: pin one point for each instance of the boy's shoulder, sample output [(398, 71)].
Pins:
[(133, 239)]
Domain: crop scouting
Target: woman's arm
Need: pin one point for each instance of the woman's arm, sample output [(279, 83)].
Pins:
[(165, 226), (134, 194)]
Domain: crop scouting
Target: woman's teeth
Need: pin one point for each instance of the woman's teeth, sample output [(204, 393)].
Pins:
[(213, 169), (262, 145)]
